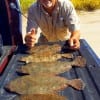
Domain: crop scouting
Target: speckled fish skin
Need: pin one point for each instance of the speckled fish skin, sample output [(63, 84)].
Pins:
[(42, 84), (44, 57), (55, 68), (43, 48), (40, 97)]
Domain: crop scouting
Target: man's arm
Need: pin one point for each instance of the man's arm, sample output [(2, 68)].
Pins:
[(74, 40), (72, 21), (30, 38), (33, 31)]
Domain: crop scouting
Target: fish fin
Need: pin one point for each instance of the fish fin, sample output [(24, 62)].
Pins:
[(79, 61), (67, 55), (77, 84)]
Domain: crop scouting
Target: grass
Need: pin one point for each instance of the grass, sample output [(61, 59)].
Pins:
[(87, 5), (25, 4)]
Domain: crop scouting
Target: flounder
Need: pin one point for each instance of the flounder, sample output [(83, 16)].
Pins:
[(40, 97), (55, 68), (45, 57), (42, 84), (43, 48)]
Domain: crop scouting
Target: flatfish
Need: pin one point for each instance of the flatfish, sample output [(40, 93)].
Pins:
[(44, 57), (40, 97), (43, 48), (42, 84), (55, 68)]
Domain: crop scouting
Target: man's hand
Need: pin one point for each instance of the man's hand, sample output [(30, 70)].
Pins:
[(74, 40), (30, 38)]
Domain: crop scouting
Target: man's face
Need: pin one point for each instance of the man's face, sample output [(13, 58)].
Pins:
[(47, 3)]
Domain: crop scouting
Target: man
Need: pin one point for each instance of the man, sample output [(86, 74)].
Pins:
[(56, 19)]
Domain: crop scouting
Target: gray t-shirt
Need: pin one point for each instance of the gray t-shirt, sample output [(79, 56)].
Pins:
[(57, 26)]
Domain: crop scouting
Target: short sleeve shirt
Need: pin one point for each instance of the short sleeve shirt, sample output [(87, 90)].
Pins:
[(57, 26)]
